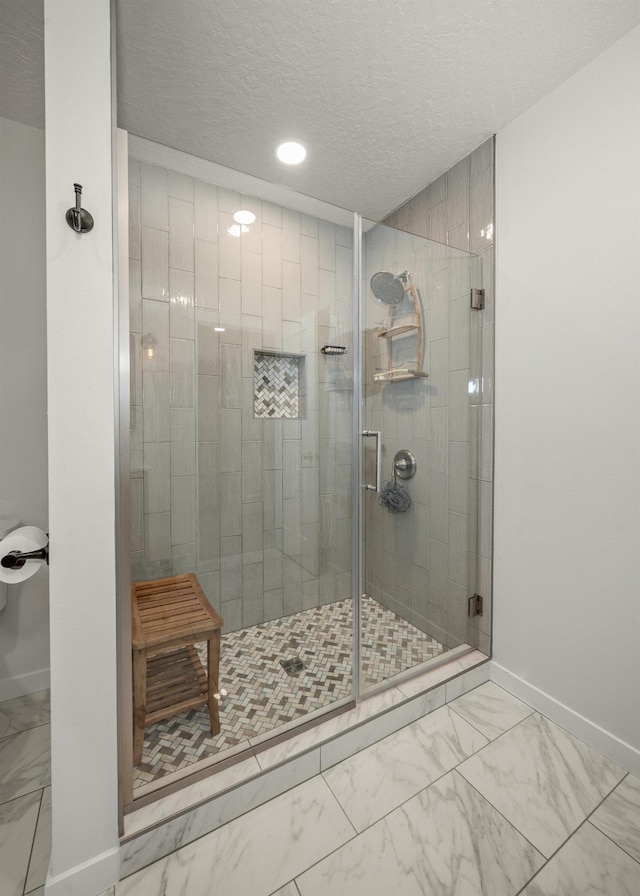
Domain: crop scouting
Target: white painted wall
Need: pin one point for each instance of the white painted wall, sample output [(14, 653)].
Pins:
[(80, 308), (567, 491), (24, 623)]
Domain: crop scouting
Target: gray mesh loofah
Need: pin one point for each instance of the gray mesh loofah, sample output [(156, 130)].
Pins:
[(394, 498)]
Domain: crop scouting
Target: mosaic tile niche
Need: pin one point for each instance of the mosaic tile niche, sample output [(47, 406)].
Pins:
[(258, 507), (278, 382)]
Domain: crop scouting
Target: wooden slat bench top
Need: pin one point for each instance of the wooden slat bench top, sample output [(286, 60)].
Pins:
[(167, 609)]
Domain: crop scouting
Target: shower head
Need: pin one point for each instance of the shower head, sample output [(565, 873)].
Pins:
[(388, 288)]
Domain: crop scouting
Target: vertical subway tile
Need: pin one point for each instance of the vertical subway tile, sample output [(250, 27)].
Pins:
[(155, 264), (207, 342), (271, 256), (183, 441), (291, 526), (344, 281), (135, 442), (252, 533), (134, 171), (252, 236), (206, 274), (183, 560), (272, 499), (251, 472), (252, 594), (438, 507), (310, 494), (137, 515), (183, 509), (309, 265), (208, 538), (439, 423), (182, 373), (272, 318), (134, 222), (273, 604), (180, 234), (481, 216), (208, 409), (438, 565), (157, 474), (459, 477), (230, 458), (154, 197), (458, 193), (459, 405), (208, 479), (228, 200), (157, 537), (205, 211), (135, 295), (230, 376), (290, 235), (291, 468), (251, 283), (458, 548), (155, 336), (231, 567), (290, 291), (309, 226), (155, 400), (272, 214), (482, 157), (181, 304), (327, 246), (459, 324), (252, 426), (439, 373), (231, 501), (180, 186), (229, 249)]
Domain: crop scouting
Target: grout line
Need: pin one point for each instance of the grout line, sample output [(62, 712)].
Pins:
[(33, 840)]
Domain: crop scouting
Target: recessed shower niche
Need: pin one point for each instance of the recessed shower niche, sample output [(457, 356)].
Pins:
[(278, 385)]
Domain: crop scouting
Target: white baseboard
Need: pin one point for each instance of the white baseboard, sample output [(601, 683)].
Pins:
[(24, 684), (621, 752), (88, 879)]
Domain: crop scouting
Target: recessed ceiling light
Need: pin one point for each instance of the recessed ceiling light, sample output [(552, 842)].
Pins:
[(243, 216), (219, 329), (291, 152)]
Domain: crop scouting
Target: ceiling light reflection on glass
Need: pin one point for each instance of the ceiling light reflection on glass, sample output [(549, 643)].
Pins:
[(237, 229), (291, 152), (244, 216)]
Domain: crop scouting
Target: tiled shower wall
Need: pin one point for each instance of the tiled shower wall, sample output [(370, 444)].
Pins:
[(457, 210), (259, 508), (417, 562)]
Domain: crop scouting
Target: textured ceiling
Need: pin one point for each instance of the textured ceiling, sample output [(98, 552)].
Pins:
[(387, 94), (22, 61)]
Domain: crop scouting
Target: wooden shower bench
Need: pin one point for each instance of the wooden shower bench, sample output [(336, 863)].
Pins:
[(168, 617)]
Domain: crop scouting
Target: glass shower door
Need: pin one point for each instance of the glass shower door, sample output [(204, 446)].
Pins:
[(420, 386)]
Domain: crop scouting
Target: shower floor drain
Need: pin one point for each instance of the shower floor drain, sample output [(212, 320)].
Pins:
[(294, 666)]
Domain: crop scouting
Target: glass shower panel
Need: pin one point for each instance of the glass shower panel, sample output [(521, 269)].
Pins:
[(419, 391), (242, 449)]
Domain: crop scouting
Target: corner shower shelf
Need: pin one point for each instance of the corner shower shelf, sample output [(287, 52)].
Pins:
[(401, 324)]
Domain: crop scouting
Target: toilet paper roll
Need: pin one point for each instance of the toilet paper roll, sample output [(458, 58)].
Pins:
[(26, 538)]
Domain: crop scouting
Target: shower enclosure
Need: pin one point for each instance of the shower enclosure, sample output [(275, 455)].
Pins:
[(270, 393)]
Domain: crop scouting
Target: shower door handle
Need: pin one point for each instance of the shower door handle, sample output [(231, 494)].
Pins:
[(377, 435)]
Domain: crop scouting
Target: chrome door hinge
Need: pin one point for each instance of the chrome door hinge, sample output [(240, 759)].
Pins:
[(477, 299), (475, 605)]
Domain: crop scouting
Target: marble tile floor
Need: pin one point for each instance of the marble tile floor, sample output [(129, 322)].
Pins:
[(483, 796), (263, 697), (25, 794)]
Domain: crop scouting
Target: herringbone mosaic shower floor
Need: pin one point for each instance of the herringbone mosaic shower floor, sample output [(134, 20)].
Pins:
[(262, 696)]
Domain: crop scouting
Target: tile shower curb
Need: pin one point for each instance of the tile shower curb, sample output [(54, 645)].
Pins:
[(171, 822)]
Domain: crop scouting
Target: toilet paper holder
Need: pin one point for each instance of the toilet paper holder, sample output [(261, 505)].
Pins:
[(17, 559)]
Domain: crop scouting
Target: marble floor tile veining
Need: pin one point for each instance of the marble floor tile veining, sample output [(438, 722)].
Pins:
[(24, 762), (589, 864), (422, 751), (446, 840), (17, 823), (255, 854), (619, 816), (544, 780), (22, 713), (491, 709)]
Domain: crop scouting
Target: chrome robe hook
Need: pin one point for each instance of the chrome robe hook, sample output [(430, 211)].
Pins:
[(79, 219)]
